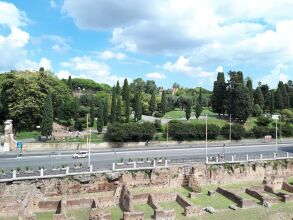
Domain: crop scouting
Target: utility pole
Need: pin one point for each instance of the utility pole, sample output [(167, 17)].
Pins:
[(167, 133), (230, 136), (90, 147), (276, 117), (206, 136)]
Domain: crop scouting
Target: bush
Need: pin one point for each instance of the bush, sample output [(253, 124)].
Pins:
[(287, 130), (237, 131), (187, 131), (130, 132), (158, 125), (257, 111), (158, 115), (263, 121), (261, 131)]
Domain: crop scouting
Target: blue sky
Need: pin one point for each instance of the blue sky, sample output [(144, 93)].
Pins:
[(184, 41)]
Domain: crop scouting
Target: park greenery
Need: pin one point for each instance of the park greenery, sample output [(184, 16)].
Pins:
[(38, 98)]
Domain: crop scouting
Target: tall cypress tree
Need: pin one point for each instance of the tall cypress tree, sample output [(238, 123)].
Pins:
[(138, 107), (69, 83), (113, 106), (198, 106), (118, 89), (152, 103), (265, 90), (272, 102), (92, 115), (188, 109), (163, 103), (279, 104), (126, 99), (100, 118), (47, 117), (250, 89), (258, 98), (118, 109), (105, 112), (284, 93), (219, 94)]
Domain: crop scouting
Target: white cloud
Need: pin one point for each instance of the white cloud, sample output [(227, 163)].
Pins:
[(156, 75), (57, 43), (277, 74), (63, 74), (46, 63), (12, 45), (89, 67), (53, 4), (107, 55), (212, 32)]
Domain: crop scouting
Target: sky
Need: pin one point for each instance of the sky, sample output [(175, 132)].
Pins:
[(183, 41)]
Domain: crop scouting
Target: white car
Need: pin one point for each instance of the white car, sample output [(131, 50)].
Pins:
[(81, 154)]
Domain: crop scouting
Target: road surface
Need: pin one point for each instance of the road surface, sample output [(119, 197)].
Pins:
[(105, 158)]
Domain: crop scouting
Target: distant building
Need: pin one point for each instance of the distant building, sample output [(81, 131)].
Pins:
[(161, 89)]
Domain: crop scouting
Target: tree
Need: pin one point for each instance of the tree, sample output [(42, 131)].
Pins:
[(258, 98), (118, 89), (113, 106), (265, 90), (126, 98), (92, 115), (257, 110), (198, 109), (150, 86), (69, 83), (272, 102), (250, 88), (105, 112), (138, 107), (100, 118), (284, 93), (152, 103), (163, 103), (188, 110), (279, 104), (118, 109), (47, 117), (219, 94)]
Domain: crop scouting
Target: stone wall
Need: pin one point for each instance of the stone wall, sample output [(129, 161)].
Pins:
[(189, 208), (258, 192), (159, 213), (126, 199), (8, 207), (287, 187), (106, 201), (140, 198), (242, 203), (79, 203), (133, 216), (99, 214), (48, 205)]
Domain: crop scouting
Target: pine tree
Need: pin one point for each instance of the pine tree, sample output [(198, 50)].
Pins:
[(219, 94), (100, 118), (113, 106), (250, 89), (265, 90), (188, 109), (279, 104), (152, 103), (69, 83), (105, 112), (198, 107), (126, 99), (138, 107), (284, 93), (118, 109), (258, 98), (163, 103), (47, 117), (118, 89)]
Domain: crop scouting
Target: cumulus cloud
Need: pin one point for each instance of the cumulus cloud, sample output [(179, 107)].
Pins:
[(212, 32), (156, 75), (45, 63), (278, 73), (108, 55), (13, 44), (63, 74), (89, 67)]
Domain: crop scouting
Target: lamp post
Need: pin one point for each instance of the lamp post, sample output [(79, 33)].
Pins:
[(230, 135), (206, 149), (276, 117)]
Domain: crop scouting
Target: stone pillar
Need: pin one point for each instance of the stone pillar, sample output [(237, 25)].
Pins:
[(113, 166), (91, 168), (166, 163), (247, 157), (154, 163), (67, 170), (287, 155), (42, 172), (14, 174), (8, 134), (134, 165), (260, 156)]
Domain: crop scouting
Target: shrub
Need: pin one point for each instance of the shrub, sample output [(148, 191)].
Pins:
[(237, 131), (261, 131), (158, 125), (287, 130), (263, 120), (257, 111), (188, 131), (158, 115), (130, 132)]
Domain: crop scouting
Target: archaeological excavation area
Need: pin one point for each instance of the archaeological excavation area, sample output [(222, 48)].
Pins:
[(228, 191)]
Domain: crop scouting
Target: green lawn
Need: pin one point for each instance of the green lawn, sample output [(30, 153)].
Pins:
[(20, 135), (146, 209), (278, 211), (79, 214), (175, 114), (96, 138), (44, 215), (174, 205), (290, 180), (116, 212), (211, 120)]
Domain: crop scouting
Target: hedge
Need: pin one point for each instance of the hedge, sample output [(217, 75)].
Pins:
[(237, 131)]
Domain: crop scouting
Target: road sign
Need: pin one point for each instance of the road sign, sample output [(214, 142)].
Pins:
[(19, 144), (275, 117)]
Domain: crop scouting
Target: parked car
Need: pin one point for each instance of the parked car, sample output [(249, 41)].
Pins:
[(81, 154)]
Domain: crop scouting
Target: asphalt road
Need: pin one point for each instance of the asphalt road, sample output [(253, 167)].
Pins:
[(105, 158)]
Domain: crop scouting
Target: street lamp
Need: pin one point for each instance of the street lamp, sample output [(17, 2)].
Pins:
[(276, 117), (38, 128), (230, 135), (206, 136)]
